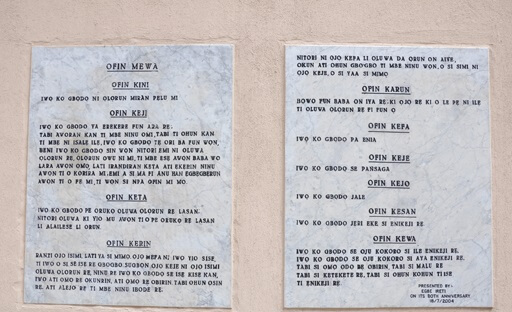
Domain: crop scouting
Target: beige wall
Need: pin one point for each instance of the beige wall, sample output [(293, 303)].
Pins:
[(258, 30)]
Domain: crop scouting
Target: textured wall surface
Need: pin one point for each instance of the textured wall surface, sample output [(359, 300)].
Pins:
[(259, 30)]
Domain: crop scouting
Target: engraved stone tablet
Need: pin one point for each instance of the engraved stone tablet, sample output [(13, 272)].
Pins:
[(388, 185), (129, 176)]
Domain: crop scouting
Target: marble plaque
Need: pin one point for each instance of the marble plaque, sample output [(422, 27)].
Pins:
[(129, 176), (388, 177)]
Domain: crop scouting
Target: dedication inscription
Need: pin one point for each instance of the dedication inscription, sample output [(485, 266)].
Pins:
[(388, 198), (129, 176)]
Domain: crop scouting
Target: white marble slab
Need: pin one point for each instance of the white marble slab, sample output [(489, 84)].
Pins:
[(129, 176), (388, 177)]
